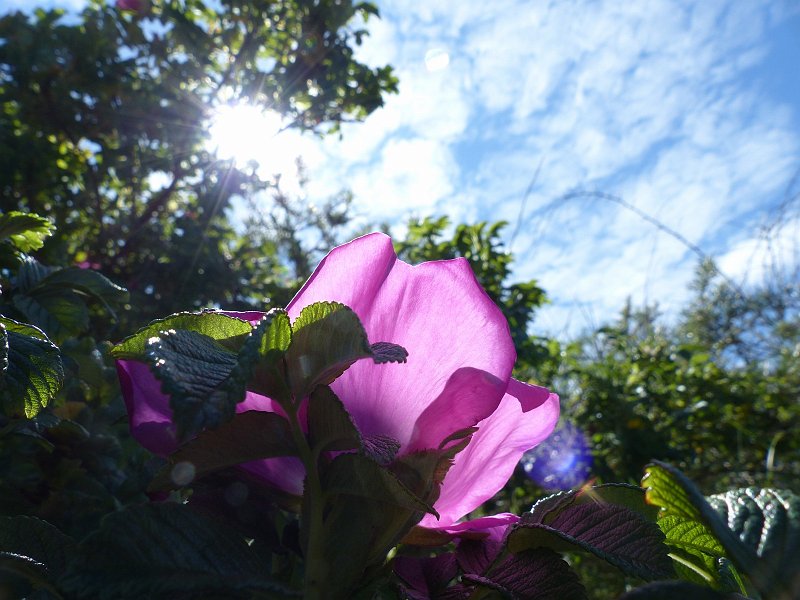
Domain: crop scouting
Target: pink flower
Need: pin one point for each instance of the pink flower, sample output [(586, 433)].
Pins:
[(134, 5), (458, 374)]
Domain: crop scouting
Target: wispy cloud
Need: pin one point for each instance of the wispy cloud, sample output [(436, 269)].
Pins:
[(663, 104)]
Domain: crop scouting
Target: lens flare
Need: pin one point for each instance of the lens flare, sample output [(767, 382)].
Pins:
[(562, 462)]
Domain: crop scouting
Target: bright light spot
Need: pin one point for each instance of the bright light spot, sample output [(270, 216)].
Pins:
[(246, 133), (436, 59), (183, 473), (563, 461)]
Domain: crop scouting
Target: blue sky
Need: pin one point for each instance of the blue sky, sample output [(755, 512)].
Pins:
[(689, 111)]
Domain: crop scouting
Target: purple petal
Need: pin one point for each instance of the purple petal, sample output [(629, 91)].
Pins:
[(492, 527), (425, 576), (526, 416), (436, 310), (148, 409), (469, 396)]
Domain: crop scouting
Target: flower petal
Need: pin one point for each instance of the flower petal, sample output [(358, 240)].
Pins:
[(437, 310), (469, 396), (526, 416), (148, 409), (492, 527)]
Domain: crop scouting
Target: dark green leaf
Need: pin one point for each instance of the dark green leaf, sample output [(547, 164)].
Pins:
[(88, 282), (360, 477), (613, 533), (327, 338), (329, 425), (622, 494), (248, 436), (32, 372), (30, 273), (166, 551), (385, 352), (765, 520), (368, 510), (60, 314), (27, 232), (200, 377), (267, 345), (532, 575), (37, 540), (213, 324), (677, 590)]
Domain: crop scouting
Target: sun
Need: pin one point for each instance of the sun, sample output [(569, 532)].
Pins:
[(247, 133)]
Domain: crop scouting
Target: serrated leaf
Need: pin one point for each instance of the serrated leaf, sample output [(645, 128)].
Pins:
[(199, 375), (621, 494), (205, 379), (268, 343), (357, 476), (165, 551), (386, 352), (695, 549), (382, 449), (676, 590), (532, 575), (765, 520), (26, 231), (30, 273), (90, 283), (60, 314), (329, 424), (676, 495), (613, 533), (32, 372), (215, 325), (251, 435), (328, 337), (368, 510), (37, 540)]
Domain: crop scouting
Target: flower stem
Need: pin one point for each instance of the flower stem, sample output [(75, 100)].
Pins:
[(315, 564)]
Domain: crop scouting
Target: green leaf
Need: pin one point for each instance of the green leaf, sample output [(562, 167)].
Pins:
[(695, 550), (765, 520), (613, 533), (212, 324), (56, 299), (205, 379), (689, 521), (86, 282), (327, 337), (676, 590), (360, 477), (32, 372), (26, 232), (368, 510), (167, 551), (267, 344), (199, 375), (60, 314), (250, 435), (532, 575), (38, 541), (329, 424), (621, 494)]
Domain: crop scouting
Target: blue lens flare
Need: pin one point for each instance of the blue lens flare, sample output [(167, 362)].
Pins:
[(562, 462)]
